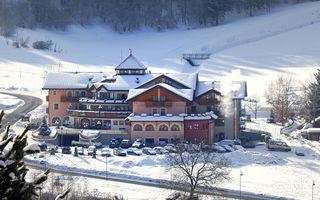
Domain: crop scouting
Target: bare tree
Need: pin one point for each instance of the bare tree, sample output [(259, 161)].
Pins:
[(252, 106), (194, 167), (279, 95)]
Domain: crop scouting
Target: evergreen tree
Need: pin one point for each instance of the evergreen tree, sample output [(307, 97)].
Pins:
[(44, 129), (311, 101), (12, 168)]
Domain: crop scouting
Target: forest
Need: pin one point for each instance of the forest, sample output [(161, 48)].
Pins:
[(128, 15)]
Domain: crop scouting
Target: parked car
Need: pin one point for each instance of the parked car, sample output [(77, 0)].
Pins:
[(270, 120), (105, 152), (134, 151), (80, 150), (227, 147), (170, 148), (249, 144), (66, 150), (119, 152), (138, 143), (125, 143), (218, 148), (148, 151), (114, 143), (160, 150), (91, 149), (277, 145)]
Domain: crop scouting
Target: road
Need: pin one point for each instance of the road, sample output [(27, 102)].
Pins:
[(30, 103)]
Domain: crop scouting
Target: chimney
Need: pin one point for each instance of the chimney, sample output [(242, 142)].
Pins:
[(212, 84), (130, 51)]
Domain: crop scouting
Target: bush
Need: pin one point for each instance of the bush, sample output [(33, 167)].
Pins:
[(46, 45)]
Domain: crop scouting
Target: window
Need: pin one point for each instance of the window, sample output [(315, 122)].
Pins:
[(196, 126), (154, 98), (137, 127), (83, 94), (154, 111), (163, 98), (109, 95), (189, 127), (162, 111), (69, 94), (56, 106), (54, 92), (66, 121), (121, 122), (163, 127), (149, 127), (175, 127), (115, 122), (85, 123)]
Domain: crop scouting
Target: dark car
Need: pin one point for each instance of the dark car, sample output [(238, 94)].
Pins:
[(125, 143), (270, 120), (66, 150), (114, 143), (119, 152)]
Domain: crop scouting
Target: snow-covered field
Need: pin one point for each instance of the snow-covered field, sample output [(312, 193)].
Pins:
[(259, 48), (9, 103)]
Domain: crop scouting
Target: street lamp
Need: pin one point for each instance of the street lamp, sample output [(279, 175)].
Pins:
[(313, 184), (241, 174)]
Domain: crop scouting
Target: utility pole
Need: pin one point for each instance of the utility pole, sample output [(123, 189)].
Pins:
[(241, 174)]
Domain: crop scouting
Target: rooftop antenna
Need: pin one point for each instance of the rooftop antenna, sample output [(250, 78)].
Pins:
[(130, 51)]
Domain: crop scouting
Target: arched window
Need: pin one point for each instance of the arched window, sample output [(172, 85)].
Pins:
[(175, 127), (56, 121), (149, 127), (163, 127), (85, 123), (137, 127), (66, 121)]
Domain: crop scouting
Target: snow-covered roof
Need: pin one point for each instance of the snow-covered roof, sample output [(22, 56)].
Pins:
[(131, 62), (138, 118), (205, 86), (70, 80), (184, 93)]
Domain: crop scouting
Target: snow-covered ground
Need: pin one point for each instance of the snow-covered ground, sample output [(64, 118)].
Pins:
[(9, 103), (259, 48), (264, 172)]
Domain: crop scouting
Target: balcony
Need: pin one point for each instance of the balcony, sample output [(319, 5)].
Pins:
[(158, 103), (97, 114), (69, 99)]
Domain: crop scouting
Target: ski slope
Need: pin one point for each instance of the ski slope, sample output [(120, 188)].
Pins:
[(283, 41)]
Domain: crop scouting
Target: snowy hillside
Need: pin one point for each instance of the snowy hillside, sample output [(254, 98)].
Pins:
[(261, 47)]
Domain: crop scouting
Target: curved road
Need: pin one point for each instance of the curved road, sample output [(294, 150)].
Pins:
[(30, 103)]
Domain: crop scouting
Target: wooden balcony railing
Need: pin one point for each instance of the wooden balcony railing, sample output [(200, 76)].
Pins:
[(158, 103), (69, 99)]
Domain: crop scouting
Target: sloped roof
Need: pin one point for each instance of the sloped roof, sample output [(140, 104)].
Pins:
[(184, 93), (131, 62), (205, 86), (70, 80)]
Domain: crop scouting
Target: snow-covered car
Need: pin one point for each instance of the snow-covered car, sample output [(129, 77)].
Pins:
[(160, 150), (134, 151), (277, 145), (138, 144), (105, 152), (80, 150), (227, 147), (125, 143), (114, 143), (148, 151), (119, 152), (218, 148), (91, 149), (170, 149)]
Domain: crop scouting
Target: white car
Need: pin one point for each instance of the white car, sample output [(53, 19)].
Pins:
[(80, 150), (218, 148), (91, 149), (160, 150), (105, 152)]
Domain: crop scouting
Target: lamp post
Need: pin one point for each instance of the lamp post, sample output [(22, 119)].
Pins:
[(241, 174), (313, 184)]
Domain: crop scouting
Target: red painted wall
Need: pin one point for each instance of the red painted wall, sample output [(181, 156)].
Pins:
[(201, 133)]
